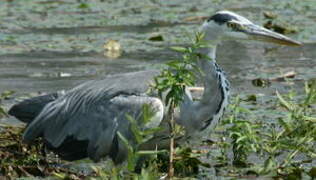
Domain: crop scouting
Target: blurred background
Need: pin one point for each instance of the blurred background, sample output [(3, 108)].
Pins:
[(49, 45)]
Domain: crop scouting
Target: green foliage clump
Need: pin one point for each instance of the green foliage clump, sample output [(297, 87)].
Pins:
[(180, 73), (294, 136), (170, 86), (142, 135), (4, 95), (284, 145), (244, 134)]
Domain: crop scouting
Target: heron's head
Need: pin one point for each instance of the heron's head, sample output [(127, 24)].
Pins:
[(226, 25)]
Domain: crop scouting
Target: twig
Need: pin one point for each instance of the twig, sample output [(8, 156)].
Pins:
[(196, 88), (171, 155)]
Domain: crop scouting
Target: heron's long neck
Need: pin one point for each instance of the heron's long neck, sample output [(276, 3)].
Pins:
[(197, 115), (208, 76)]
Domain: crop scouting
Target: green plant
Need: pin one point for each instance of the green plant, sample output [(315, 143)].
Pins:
[(295, 134), (170, 86), (4, 95), (243, 133), (142, 135), (83, 6), (171, 83), (283, 145)]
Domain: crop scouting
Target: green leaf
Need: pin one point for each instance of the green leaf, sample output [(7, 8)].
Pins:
[(131, 158), (241, 139), (179, 49), (83, 6), (269, 165), (148, 113), (3, 112), (6, 94), (60, 175), (287, 126), (244, 110), (151, 152), (151, 130), (235, 134), (125, 141), (311, 119), (286, 104)]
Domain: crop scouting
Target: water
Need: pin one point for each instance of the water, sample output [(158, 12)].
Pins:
[(52, 45), (243, 62), (45, 73)]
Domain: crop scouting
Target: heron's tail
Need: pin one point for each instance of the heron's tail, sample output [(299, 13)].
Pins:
[(27, 110), (70, 150)]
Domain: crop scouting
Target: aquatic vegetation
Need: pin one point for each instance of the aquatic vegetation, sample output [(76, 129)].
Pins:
[(4, 95), (142, 135), (274, 23), (284, 146), (173, 80), (281, 148), (2, 112)]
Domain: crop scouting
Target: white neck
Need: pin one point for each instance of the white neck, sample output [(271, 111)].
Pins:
[(195, 115), (210, 52)]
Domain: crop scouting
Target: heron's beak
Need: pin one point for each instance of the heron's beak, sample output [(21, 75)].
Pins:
[(256, 32)]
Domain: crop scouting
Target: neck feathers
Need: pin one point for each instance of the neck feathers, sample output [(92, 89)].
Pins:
[(199, 115)]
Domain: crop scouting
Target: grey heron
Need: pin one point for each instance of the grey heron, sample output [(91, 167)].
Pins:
[(84, 121)]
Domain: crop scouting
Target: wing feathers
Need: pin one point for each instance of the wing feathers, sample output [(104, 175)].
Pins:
[(94, 112)]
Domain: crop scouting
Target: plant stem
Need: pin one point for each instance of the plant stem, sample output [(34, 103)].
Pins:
[(171, 155)]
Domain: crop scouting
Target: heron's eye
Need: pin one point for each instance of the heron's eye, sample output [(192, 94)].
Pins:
[(234, 26)]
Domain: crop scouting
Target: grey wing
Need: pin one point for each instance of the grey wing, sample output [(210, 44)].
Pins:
[(94, 112)]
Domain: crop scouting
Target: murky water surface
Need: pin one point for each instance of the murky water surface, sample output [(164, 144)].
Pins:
[(51, 71)]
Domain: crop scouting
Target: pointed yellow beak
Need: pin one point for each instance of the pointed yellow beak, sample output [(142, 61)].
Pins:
[(262, 34)]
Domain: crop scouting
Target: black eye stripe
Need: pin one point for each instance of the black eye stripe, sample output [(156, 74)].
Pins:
[(221, 18)]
